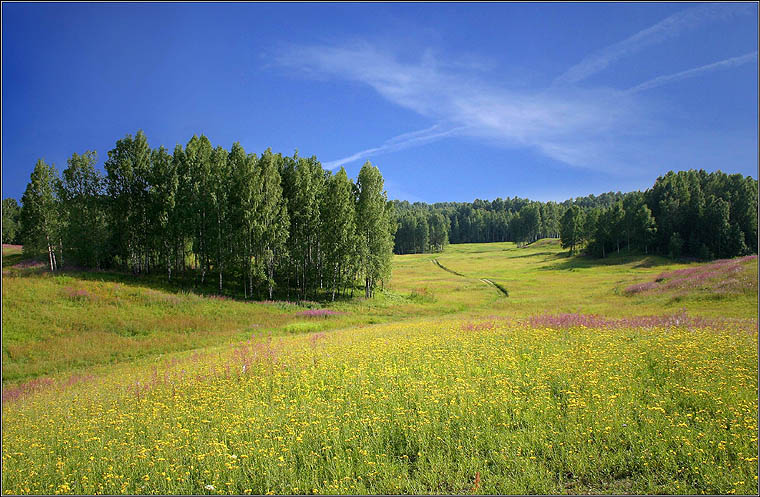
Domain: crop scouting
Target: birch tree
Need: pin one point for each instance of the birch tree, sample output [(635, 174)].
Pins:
[(81, 194), (40, 215), (373, 228)]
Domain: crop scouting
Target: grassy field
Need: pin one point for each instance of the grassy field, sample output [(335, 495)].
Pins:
[(541, 277), (632, 374), (74, 320)]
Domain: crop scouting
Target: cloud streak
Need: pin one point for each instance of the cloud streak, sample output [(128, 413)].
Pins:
[(670, 27), (396, 143), (690, 73)]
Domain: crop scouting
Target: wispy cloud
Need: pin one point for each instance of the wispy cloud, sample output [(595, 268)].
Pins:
[(396, 143), (668, 28), (570, 125), (580, 125), (690, 73)]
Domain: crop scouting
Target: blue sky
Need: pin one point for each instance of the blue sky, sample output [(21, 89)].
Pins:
[(451, 101)]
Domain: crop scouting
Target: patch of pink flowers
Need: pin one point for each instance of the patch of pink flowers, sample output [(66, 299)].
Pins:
[(78, 293), (493, 322), (317, 313), (39, 384), (219, 297), (680, 319), (28, 264), (719, 275), (641, 287)]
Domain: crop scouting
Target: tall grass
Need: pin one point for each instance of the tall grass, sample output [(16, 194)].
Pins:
[(421, 407)]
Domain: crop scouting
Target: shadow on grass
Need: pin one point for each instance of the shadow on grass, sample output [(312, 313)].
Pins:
[(14, 258), (187, 282), (536, 254), (589, 262)]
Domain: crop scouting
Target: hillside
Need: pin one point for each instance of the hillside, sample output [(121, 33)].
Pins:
[(496, 369), (64, 323)]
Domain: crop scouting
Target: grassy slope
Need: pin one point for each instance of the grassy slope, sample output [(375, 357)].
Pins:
[(75, 320), (72, 321), (543, 278)]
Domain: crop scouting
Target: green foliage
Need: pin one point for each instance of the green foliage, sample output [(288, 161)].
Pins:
[(571, 228), (690, 203), (306, 179), (439, 232), (127, 175), (272, 218), (11, 213), (338, 214), (83, 210), (41, 219), (374, 228), (675, 245), (710, 212)]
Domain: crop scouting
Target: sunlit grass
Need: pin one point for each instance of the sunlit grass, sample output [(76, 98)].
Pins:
[(74, 320), (541, 277), (440, 384)]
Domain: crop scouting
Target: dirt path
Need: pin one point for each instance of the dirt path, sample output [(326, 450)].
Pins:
[(497, 286), (435, 261)]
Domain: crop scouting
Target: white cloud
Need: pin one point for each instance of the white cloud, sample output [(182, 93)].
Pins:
[(690, 73), (564, 124), (668, 28), (598, 128)]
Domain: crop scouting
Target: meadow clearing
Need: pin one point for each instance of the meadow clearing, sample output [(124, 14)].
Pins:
[(632, 374)]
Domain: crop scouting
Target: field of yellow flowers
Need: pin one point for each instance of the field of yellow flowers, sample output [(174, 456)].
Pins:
[(444, 406), (487, 369)]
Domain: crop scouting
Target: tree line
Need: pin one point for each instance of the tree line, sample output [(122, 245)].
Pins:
[(261, 223), (283, 222), (428, 228), (684, 214)]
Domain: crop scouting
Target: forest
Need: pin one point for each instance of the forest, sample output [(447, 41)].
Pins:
[(273, 222), (258, 223), (691, 213)]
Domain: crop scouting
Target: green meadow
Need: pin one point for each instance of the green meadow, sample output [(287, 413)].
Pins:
[(484, 369)]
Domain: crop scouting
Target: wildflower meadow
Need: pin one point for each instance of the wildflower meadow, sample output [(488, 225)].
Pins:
[(645, 395)]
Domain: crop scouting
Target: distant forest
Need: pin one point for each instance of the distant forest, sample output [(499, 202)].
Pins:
[(257, 222), (685, 214)]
